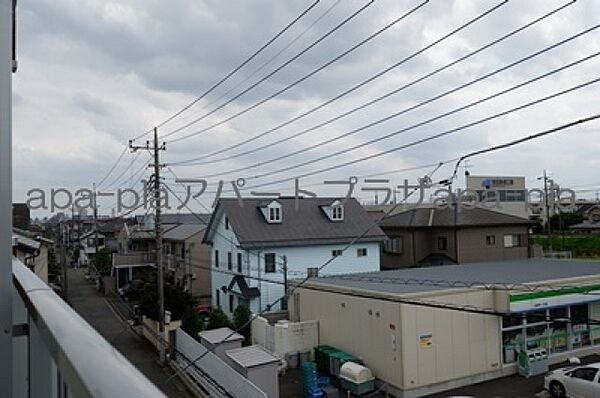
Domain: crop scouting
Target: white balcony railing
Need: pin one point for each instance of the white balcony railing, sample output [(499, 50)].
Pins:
[(58, 354)]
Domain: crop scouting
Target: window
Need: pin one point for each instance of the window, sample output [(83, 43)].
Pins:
[(337, 213), (229, 261), (361, 252), (336, 253), (218, 296), (231, 303), (239, 263), (216, 259), (512, 240), (274, 214), (442, 243), (269, 262), (587, 374), (490, 240), (226, 223), (394, 245)]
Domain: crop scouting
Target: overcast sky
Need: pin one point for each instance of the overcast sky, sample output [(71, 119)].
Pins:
[(95, 73)]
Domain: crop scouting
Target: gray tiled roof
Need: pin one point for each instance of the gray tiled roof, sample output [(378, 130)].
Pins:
[(466, 217), (184, 231), (410, 280), (185, 218), (306, 225)]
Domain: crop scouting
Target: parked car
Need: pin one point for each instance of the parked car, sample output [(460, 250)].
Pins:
[(203, 310), (574, 382), (131, 290)]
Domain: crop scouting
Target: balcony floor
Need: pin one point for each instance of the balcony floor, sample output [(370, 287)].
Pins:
[(97, 312)]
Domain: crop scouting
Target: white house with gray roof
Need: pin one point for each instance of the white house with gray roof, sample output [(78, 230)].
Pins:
[(251, 243)]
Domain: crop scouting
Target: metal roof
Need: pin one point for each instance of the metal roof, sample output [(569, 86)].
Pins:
[(444, 217), (216, 336), (305, 225), (185, 218), (184, 231), (410, 280), (251, 356)]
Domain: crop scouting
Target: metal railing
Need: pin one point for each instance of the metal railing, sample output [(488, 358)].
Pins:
[(56, 353), (134, 258)]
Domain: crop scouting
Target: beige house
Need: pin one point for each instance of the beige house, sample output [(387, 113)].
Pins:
[(426, 330), (184, 255), (438, 236)]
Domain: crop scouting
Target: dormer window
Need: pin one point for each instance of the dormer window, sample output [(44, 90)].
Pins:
[(335, 211), (273, 212)]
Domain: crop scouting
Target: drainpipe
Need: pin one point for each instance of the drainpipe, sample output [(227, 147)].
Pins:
[(6, 70)]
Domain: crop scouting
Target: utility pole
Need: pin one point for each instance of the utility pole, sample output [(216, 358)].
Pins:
[(158, 235), (63, 265), (547, 205), (284, 303), (6, 288), (96, 232)]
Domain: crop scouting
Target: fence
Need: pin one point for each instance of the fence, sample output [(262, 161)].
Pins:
[(216, 369)]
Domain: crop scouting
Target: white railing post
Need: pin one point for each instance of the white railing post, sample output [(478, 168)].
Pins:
[(6, 65)]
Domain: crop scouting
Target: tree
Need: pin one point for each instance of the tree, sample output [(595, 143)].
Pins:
[(241, 321), (176, 299), (191, 322), (218, 319), (102, 261)]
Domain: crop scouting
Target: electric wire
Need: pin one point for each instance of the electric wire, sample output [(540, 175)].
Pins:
[(276, 70), (235, 70), (356, 109), (464, 26)]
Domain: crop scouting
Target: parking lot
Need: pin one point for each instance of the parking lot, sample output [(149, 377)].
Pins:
[(510, 387)]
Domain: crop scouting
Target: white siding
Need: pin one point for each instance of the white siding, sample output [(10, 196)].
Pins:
[(299, 258)]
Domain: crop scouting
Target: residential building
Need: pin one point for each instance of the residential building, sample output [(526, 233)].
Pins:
[(591, 221), (282, 238), (438, 236), (426, 330), (185, 257), (87, 246), (32, 250)]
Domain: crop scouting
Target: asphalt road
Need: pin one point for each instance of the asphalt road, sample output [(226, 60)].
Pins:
[(514, 386), (95, 310)]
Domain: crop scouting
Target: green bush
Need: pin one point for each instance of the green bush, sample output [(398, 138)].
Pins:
[(241, 321), (218, 319)]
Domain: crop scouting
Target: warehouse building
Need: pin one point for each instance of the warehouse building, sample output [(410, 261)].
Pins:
[(426, 330)]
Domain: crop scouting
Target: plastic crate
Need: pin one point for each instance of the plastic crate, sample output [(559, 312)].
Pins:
[(322, 354)]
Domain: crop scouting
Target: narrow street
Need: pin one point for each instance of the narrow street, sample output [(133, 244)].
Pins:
[(96, 311)]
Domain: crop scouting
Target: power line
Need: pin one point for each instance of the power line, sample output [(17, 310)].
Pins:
[(113, 167), (422, 103), (276, 70), (275, 56), (373, 78), (303, 281), (235, 70), (524, 139), (413, 143), (356, 109)]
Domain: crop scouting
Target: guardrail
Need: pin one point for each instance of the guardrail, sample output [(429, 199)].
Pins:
[(58, 354)]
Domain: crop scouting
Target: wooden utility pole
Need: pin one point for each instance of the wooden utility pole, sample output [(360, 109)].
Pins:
[(158, 235), (96, 233)]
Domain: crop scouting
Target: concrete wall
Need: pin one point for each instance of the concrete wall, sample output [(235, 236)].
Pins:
[(392, 338), (284, 338), (369, 329), (462, 344)]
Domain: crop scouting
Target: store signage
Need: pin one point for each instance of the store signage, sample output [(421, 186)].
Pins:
[(554, 298)]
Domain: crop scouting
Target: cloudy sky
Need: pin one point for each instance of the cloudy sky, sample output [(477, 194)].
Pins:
[(95, 73)]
